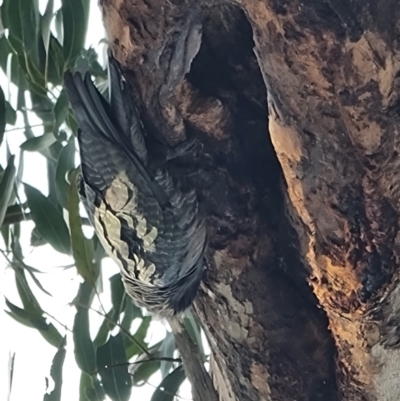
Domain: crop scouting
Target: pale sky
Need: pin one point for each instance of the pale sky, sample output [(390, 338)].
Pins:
[(33, 354)]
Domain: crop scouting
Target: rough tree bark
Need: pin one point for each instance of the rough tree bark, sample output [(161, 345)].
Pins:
[(297, 105)]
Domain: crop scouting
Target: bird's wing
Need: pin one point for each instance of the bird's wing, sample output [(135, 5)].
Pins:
[(151, 228), (92, 114)]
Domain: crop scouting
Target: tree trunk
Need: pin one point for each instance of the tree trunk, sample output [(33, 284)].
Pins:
[(297, 106)]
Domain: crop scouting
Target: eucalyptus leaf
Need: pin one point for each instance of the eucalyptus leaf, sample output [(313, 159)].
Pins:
[(43, 106), (49, 221), (36, 239), (28, 299), (82, 248), (2, 114), (19, 314), (7, 187), (10, 69), (169, 387), (23, 24), (33, 311), (39, 142), (11, 114), (108, 324), (85, 295), (131, 346), (66, 162), (90, 388), (5, 233), (83, 346), (113, 369), (45, 23), (144, 371), (55, 61), (60, 111), (167, 350), (56, 373), (11, 361), (117, 291), (111, 319), (33, 320), (194, 330), (38, 283), (75, 18)]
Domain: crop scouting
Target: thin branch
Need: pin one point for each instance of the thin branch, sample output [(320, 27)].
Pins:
[(27, 127), (179, 360), (16, 218), (142, 348), (56, 320)]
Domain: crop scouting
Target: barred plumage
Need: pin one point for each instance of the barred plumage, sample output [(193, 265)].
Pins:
[(145, 221)]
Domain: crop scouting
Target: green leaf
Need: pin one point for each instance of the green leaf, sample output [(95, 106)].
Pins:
[(15, 244), (85, 295), (106, 327), (38, 283), (169, 387), (11, 114), (45, 23), (39, 142), (75, 20), (15, 213), (59, 27), (32, 306), (12, 69), (82, 248), (23, 24), (131, 347), (49, 221), (36, 239), (19, 314), (90, 389), (21, 103), (33, 320), (48, 332), (115, 379), (142, 374), (56, 373), (42, 106), (111, 319), (117, 292), (131, 312), (167, 350), (66, 162), (2, 114), (2, 30), (51, 176), (193, 329), (84, 349), (11, 360), (7, 187), (28, 299), (60, 111), (55, 61), (5, 233)]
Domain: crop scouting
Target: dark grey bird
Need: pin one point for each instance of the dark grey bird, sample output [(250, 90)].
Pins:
[(145, 220)]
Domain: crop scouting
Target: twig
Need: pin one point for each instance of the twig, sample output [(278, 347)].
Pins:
[(27, 127), (56, 320), (142, 348), (179, 360)]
